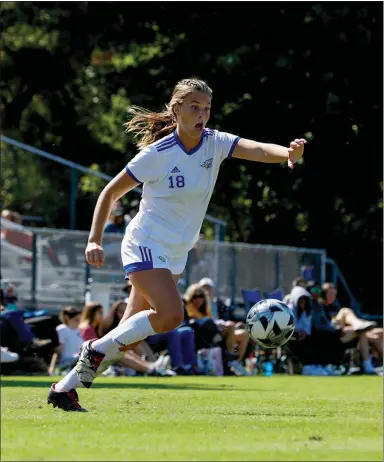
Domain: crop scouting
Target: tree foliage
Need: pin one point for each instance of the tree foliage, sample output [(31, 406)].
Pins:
[(278, 71)]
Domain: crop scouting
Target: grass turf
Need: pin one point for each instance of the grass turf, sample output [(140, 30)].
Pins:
[(198, 418)]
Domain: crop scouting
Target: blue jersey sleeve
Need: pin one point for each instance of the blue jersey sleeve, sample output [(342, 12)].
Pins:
[(226, 143)]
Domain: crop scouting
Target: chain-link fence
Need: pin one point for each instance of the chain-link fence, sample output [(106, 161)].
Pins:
[(237, 266), (49, 269)]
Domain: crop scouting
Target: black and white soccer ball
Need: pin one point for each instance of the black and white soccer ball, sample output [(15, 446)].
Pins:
[(270, 323)]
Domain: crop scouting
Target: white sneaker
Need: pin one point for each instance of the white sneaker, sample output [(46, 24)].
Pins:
[(109, 372), (362, 324), (162, 367), (8, 356), (162, 363), (167, 373)]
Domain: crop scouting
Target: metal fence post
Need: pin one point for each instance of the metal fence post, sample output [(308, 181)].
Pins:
[(88, 283), (323, 267), (217, 231), (34, 269), (187, 271), (233, 276), (72, 220), (334, 274), (277, 270), (223, 229)]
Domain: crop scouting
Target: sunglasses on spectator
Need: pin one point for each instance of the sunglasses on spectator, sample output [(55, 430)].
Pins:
[(315, 290), (198, 296)]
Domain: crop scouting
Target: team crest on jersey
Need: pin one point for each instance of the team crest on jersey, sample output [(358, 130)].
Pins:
[(175, 170), (207, 164), (163, 259)]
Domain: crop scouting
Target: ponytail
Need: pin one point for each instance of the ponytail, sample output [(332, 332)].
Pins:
[(150, 126)]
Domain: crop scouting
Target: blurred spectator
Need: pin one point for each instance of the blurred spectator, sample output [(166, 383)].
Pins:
[(297, 282), (320, 320), (18, 341), (10, 297), (16, 334), (180, 343), (11, 215), (8, 356), (90, 320), (347, 318), (17, 338), (70, 340), (334, 335), (329, 299), (342, 317), (133, 210), (2, 299), (218, 308), (197, 308), (301, 344), (127, 289), (9, 361), (117, 223), (301, 305), (219, 311), (369, 336)]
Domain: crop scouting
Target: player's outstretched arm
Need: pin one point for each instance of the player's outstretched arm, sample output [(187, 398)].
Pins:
[(117, 187), (269, 153)]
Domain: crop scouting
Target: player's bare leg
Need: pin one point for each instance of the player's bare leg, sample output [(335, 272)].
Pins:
[(136, 303), (158, 287)]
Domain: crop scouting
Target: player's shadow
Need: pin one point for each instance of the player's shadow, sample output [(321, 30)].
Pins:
[(162, 384)]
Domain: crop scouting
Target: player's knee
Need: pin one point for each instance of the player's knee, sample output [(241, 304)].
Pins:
[(344, 311), (172, 318), (230, 328)]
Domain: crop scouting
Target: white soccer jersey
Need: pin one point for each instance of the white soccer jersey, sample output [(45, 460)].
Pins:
[(177, 187)]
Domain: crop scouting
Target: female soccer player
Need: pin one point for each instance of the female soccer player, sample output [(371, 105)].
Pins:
[(178, 165)]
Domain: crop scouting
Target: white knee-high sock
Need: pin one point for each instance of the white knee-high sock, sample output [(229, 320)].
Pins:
[(71, 381), (134, 329), (68, 382)]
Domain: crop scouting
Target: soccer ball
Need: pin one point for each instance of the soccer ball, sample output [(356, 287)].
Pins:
[(270, 323)]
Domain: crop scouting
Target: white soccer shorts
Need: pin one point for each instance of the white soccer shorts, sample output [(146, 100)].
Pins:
[(148, 256)]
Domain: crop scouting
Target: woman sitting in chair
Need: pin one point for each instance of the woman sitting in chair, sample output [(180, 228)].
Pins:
[(197, 308)]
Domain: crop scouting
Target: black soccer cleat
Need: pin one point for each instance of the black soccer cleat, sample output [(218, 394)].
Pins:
[(65, 400), (88, 363)]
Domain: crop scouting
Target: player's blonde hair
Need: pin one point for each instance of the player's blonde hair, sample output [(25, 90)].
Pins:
[(151, 126)]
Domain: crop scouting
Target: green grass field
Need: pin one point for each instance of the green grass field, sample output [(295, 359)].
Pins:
[(199, 418)]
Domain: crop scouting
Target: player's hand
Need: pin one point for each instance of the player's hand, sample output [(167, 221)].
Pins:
[(94, 254), (295, 151)]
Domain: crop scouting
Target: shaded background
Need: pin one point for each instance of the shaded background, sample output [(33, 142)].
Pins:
[(278, 71)]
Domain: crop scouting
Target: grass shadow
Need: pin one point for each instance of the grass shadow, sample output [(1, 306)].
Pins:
[(165, 384)]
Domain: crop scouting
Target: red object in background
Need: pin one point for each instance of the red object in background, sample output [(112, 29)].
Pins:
[(18, 238)]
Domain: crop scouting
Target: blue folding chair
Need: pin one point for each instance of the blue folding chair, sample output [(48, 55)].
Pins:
[(251, 296), (277, 294)]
